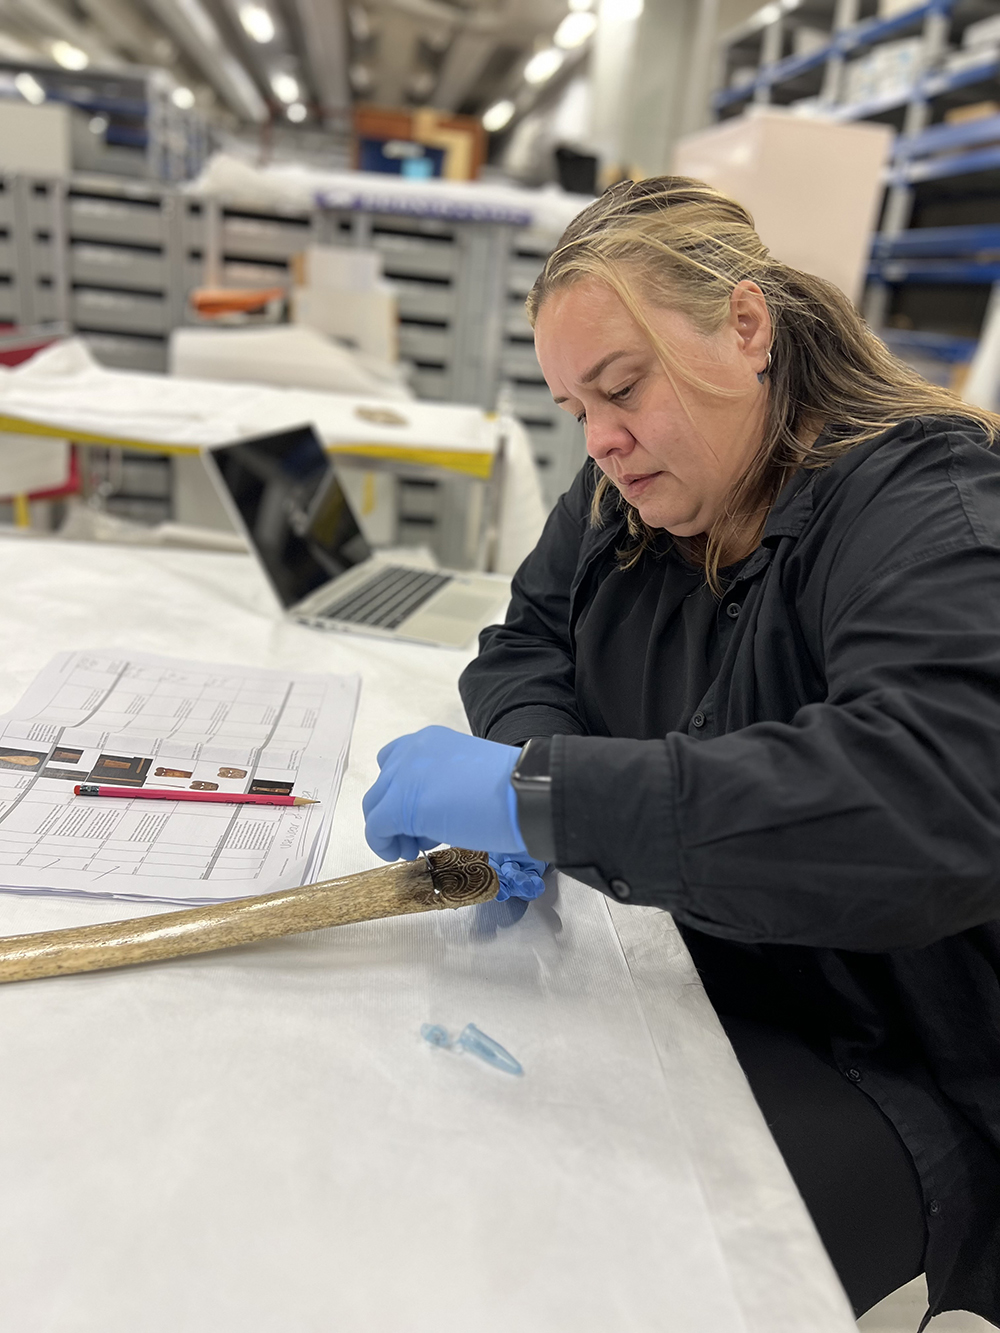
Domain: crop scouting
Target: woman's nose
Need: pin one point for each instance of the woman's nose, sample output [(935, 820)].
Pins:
[(606, 436)]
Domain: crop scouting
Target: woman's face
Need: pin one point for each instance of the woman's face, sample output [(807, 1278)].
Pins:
[(673, 454)]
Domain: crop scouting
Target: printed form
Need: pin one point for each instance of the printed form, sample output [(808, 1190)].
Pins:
[(134, 720)]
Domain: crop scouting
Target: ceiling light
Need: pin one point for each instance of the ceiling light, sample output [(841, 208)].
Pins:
[(29, 88), (285, 87), (498, 115), (421, 85), (296, 113), (257, 23), (621, 11), (575, 29), (182, 98), (543, 64), (359, 22), (98, 124), (69, 56), (579, 6)]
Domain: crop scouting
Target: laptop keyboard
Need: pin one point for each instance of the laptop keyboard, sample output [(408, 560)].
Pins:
[(387, 599)]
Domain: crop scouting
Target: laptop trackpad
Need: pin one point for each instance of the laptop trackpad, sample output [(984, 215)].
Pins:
[(453, 617)]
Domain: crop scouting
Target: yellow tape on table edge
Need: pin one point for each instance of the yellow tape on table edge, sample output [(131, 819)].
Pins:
[(471, 464), (477, 464), (15, 426)]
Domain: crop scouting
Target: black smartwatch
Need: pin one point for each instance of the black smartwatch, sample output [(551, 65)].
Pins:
[(532, 783)]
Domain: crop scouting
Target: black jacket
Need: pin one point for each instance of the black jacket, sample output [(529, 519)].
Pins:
[(833, 807)]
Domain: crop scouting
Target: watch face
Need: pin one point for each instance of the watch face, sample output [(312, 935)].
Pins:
[(534, 761)]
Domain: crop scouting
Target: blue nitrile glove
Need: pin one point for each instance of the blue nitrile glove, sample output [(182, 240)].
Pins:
[(519, 876), (439, 785)]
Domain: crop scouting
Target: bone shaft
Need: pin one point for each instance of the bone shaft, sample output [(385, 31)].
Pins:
[(387, 891)]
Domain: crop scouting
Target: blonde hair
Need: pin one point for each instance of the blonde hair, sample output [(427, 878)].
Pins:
[(684, 247)]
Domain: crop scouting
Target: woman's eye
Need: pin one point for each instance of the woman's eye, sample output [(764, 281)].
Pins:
[(581, 418), (621, 394)]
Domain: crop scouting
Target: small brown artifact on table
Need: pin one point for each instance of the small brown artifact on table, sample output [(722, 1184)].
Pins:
[(449, 878)]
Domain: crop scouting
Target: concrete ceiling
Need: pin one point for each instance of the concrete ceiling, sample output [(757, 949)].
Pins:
[(457, 55)]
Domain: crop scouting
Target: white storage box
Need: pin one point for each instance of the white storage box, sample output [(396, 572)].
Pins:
[(813, 186)]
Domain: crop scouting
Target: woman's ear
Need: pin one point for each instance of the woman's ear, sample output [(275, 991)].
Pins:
[(750, 319)]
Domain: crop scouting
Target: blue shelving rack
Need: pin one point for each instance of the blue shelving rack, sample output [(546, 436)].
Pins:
[(910, 255)]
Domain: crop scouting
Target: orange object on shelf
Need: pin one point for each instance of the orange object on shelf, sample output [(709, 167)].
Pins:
[(211, 302)]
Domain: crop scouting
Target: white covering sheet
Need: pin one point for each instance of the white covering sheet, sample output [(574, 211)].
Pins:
[(63, 386), (291, 187), (259, 1140)]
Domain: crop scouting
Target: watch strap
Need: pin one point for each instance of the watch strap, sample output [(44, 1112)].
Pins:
[(532, 783)]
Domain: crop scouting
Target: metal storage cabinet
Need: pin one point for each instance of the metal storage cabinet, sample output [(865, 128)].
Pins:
[(556, 438)]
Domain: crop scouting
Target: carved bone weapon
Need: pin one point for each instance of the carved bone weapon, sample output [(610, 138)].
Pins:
[(449, 878)]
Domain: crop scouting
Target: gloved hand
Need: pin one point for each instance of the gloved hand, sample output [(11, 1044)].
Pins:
[(519, 876), (439, 785)]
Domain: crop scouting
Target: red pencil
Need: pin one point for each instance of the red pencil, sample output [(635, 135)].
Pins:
[(160, 794)]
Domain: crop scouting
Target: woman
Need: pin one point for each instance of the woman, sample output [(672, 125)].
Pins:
[(756, 654)]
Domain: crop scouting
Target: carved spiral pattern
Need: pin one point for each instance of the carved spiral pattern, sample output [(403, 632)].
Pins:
[(461, 877)]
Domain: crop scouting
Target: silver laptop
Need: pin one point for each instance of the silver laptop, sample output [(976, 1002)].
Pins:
[(282, 492)]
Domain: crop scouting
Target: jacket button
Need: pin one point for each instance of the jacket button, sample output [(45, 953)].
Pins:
[(733, 610), (698, 720), (933, 1207), (620, 888), (854, 1075)]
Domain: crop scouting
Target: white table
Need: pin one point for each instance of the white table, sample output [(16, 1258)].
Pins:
[(259, 1140)]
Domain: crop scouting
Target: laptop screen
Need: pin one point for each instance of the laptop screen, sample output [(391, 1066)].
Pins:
[(293, 508)]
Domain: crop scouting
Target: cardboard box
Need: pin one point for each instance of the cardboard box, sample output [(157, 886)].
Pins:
[(813, 186)]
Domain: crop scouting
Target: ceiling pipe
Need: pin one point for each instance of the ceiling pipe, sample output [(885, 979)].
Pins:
[(324, 35), (193, 28), (52, 21), (462, 66)]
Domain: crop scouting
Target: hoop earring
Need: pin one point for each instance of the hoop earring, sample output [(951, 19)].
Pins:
[(766, 371)]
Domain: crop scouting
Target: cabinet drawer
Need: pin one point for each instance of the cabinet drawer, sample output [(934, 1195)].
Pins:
[(264, 238), (515, 323), (125, 312), (424, 300), (532, 401), (418, 343), (116, 266), (431, 384), (116, 220), (519, 361), (408, 256), (521, 275)]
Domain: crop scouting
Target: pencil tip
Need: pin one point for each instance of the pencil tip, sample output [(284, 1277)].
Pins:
[(304, 800)]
